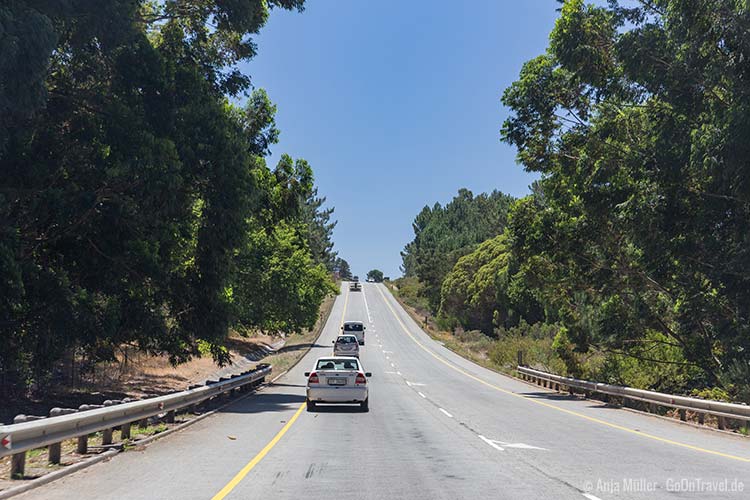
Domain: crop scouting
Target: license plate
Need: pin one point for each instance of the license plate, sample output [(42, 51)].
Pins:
[(336, 381)]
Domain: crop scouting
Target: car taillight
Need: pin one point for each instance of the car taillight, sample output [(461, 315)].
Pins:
[(360, 379), (313, 378)]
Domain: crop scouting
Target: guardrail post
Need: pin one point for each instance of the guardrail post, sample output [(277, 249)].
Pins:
[(701, 418), (18, 465), (721, 423), (652, 408), (125, 431), (683, 415), (53, 453), (83, 444), (106, 437), (143, 423), (169, 418)]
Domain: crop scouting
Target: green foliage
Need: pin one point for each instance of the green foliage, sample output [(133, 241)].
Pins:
[(481, 292), (133, 195), (341, 267), (636, 235), (279, 287), (319, 231), (444, 234), (411, 291), (375, 275), (534, 341)]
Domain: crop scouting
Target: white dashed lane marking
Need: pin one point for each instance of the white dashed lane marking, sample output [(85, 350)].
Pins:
[(446, 413)]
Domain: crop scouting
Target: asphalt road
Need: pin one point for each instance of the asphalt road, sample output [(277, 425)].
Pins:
[(438, 427)]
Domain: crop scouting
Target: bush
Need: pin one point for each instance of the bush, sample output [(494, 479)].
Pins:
[(534, 341), (654, 365), (411, 291)]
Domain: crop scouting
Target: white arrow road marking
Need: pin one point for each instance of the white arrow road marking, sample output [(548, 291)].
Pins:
[(590, 496), (446, 413), (387, 352), (491, 443), (522, 446), (391, 373), (413, 384), (501, 446)]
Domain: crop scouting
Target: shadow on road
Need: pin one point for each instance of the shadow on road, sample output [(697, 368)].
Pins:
[(297, 347), (551, 396), (263, 402), (336, 409)]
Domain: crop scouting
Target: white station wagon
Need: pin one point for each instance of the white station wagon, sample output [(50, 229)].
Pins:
[(337, 380)]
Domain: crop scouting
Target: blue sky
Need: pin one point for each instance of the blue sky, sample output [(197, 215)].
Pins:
[(396, 105)]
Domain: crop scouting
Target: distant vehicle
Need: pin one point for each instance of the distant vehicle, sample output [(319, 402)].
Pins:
[(337, 380), (355, 278), (370, 280), (354, 286), (346, 345), (356, 328)]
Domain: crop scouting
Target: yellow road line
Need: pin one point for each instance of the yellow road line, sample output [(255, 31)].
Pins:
[(570, 412), (252, 463)]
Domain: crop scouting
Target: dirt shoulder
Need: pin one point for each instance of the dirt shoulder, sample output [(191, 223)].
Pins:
[(138, 375), (151, 375)]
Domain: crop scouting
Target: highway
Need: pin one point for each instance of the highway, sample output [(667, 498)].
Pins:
[(439, 427)]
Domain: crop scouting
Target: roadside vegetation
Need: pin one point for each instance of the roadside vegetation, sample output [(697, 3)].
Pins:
[(375, 275), (629, 262), (137, 210)]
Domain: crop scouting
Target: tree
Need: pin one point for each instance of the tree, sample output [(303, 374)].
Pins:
[(342, 268), (637, 119), (376, 275), (320, 229), (482, 293), (132, 192), (444, 234)]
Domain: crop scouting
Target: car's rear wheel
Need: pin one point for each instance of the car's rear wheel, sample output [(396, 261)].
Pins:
[(365, 405), (310, 405)]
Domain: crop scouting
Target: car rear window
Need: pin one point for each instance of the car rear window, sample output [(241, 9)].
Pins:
[(346, 340), (353, 327), (337, 364)]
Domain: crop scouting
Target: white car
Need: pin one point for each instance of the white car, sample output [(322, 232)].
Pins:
[(356, 328), (337, 380), (346, 345)]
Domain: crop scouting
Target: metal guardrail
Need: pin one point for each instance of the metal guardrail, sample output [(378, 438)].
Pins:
[(703, 407), (36, 432)]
